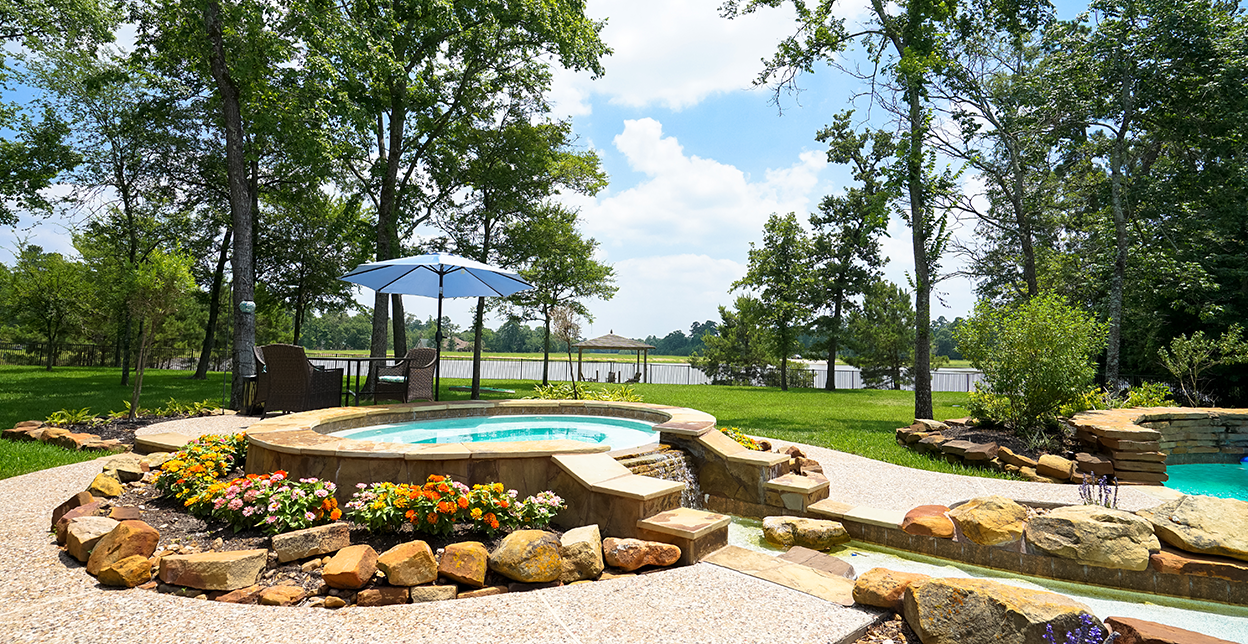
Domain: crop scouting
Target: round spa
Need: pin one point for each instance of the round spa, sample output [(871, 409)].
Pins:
[(616, 433)]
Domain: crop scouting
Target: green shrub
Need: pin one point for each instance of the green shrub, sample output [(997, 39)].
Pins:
[(1148, 394), (67, 417), (565, 391), (1037, 356)]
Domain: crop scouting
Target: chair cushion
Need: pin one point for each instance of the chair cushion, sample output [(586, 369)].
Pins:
[(392, 379)]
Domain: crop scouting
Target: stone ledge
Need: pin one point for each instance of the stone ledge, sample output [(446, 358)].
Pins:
[(797, 483), (685, 523)]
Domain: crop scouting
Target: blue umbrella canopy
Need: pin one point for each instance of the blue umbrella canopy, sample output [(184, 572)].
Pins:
[(437, 275)]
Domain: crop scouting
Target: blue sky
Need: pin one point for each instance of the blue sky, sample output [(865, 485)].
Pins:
[(698, 159)]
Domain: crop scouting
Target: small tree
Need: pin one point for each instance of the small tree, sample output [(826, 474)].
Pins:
[(47, 294), (1036, 356), (736, 354), (1189, 357), (882, 337), (160, 289), (563, 326)]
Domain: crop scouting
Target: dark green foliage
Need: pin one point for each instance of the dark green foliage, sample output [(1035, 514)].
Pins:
[(882, 337), (736, 354)]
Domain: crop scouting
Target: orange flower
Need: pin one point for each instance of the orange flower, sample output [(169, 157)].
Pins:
[(463, 502), (442, 487), (432, 518), (494, 524), (505, 503), (335, 514), (434, 478), (432, 496), (325, 505), (282, 472), (489, 518), (411, 515), (445, 507)]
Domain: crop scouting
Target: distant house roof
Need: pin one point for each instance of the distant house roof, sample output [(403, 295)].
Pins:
[(612, 341)]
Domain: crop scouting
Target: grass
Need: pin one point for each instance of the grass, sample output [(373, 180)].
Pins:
[(857, 421), (26, 457)]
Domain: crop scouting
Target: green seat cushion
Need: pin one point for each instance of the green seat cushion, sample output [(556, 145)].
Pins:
[(397, 380)]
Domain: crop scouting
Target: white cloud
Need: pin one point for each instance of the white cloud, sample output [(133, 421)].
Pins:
[(663, 293), (691, 204), (675, 53)]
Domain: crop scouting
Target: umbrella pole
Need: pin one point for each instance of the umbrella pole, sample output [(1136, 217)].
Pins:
[(437, 369)]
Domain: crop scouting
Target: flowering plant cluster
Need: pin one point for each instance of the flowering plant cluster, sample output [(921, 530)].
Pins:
[(201, 463), (1087, 633), (737, 435), (440, 503), (271, 502)]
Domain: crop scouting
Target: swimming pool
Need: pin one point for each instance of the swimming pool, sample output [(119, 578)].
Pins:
[(619, 433), (1227, 480)]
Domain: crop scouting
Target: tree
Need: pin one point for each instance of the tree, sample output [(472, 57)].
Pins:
[(845, 251), (560, 265), (779, 272), (565, 327), (160, 288), (1189, 358), (736, 354), (46, 293), (881, 336)]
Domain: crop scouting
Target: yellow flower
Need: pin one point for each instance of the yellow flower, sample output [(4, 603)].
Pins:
[(476, 513)]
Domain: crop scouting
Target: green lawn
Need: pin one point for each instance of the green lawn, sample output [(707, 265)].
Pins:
[(856, 421)]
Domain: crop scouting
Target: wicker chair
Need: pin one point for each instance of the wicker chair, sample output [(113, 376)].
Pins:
[(262, 383), (287, 381), (410, 379)]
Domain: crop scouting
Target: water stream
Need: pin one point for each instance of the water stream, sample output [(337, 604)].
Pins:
[(669, 464)]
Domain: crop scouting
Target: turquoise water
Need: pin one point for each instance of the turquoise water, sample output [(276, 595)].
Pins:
[(1217, 620), (1227, 480), (619, 433)]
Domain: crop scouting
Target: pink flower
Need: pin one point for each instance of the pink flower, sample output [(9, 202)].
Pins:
[(361, 486), (309, 516), (249, 510), (270, 519), (249, 496), (320, 494), (236, 504)]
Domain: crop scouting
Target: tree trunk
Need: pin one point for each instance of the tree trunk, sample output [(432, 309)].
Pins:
[(1113, 344), (922, 276), (398, 322), (214, 305), (138, 373), (126, 329), (784, 359), (390, 147), (299, 308), (478, 329), (546, 350), (240, 204), (834, 339)]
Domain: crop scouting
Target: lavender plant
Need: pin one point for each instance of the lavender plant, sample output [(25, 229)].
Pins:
[(1099, 490), (1086, 633)]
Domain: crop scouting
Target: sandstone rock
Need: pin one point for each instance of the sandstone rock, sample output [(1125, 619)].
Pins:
[(931, 443), (1093, 535), (979, 611), (930, 425), (154, 460), (128, 538), (83, 533), (465, 563), (631, 554), (1054, 466), (519, 587), (884, 588), (420, 594), (89, 510), (311, 542), (408, 564), (1093, 465), (105, 485), (818, 561), (124, 513), (125, 467), (334, 602), (382, 596), (1203, 524), (990, 520), (127, 573), (351, 568), (484, 592), (1184, 563), (248, 595), (817, 534), (77, 500), (956, 447), (809, 466), (1138, 631), (528, 556), (214, 570), (981, 452), (1010, 458), (928, 521), (794, 452), (582, 554), (281, 596)]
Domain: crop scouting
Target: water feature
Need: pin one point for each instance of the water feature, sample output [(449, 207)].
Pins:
[(619, 433), (670, 464), (1227, 480), (1217, 620)]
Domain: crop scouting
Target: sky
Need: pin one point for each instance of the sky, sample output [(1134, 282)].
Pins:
[(698, 158)]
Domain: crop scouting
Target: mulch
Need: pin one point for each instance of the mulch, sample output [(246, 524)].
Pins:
[(890, 631), (119, 429), (1065, 445)]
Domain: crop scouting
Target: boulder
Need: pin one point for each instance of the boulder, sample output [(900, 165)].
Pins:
[(928, 521), (931, 443), (981, 452), (582, 554), (884, 588), (465, 563), (631, 554), (979, 611), (281, 596), (990, 520), (1093, 535), (1138, 631), (1203, 524), (127, 573), (1093, 465), (334, 602), (214, 570), (382, 596), (62, 524), (83, 533), (128, 538), (1054, 466), (311, 542), (126, 467), (351, 568), (528, 556), (817, 534), (77, 500), (956, 447), (105, 485), (1017, 460), (421, 594), (1172, 562), (408, 564), (818, 561), (248, 595), (929, 425), (124, 513)]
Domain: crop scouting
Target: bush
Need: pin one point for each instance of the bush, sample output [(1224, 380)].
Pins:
[(1148, 394), (565, 391), (440, 503), (1037, 356)]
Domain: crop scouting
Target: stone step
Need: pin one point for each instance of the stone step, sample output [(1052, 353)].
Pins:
[(797, 492), (697, 533), (818, 583), (167, 442)]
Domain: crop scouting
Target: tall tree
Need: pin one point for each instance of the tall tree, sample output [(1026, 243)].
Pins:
[(737, 353), (160, 288), (779, 272), (845, 253), (882, 337)]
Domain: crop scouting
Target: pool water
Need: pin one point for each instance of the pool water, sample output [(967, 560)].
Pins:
[(1227, 480), (618, 433)]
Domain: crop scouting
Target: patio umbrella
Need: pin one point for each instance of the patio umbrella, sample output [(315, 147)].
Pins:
[(437, 275)]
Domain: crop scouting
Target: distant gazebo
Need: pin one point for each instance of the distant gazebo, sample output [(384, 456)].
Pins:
[(611, 341)]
